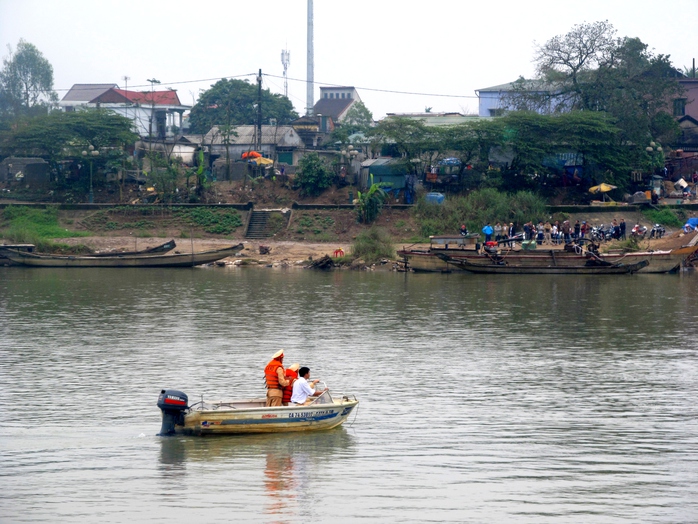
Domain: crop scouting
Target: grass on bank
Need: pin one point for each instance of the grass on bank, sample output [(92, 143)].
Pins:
[(665, 217), (26, 225)]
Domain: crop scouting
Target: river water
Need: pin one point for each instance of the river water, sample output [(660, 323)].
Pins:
[(528, 399)]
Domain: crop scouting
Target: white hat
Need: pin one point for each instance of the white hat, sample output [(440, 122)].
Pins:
[(294, 367), (278, 354)]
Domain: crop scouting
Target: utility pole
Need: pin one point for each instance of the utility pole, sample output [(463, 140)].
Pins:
[(126, 79), (258, 145), (152, 113)]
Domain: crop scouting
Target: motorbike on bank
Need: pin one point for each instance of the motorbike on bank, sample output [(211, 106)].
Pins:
[(638, 232), (601, 233), (657, 231)]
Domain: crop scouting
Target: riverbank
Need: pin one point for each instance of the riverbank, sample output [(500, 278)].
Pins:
[(280, 252), (297, 253)]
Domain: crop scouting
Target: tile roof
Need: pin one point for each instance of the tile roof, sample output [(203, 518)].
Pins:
[(160, 98)]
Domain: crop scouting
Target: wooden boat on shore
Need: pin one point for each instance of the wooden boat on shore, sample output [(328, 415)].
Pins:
[(162, 248), (117, 260), (666, 261), (229, 417), (593, 266)]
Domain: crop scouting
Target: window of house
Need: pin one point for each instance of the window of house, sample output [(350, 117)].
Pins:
[(342, 95), (348, 95), (331, 95), (496, 112), (325, 95), (679, 107)]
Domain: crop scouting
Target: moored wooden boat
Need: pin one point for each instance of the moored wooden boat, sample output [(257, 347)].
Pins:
[(4, 261), (228, 417), (593, 266), (665, 261), (117, 260), (432, 260), (162, 248)]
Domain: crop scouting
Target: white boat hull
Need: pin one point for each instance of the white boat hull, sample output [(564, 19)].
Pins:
[(252, 416)]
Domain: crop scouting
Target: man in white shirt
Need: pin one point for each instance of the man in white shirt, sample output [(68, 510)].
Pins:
[(302, 389)]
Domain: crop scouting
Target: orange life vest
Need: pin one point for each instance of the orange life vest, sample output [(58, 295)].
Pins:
[(288, 390), (270, 374)]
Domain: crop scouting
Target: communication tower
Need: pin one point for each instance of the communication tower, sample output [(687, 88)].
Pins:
[(311, 62), (285, 61)]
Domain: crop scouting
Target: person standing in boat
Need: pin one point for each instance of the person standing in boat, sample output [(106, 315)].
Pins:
[(291, 375), (303, 389), (275, 377)]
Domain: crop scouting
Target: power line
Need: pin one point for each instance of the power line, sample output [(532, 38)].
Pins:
[(380, 90), (328, 84)]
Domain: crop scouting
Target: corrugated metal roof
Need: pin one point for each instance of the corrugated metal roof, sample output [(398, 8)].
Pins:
[(86, 92), (276, 135), (333, 107)]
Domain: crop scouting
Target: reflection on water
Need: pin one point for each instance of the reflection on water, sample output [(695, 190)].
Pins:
[(521, 399), (291, 461)]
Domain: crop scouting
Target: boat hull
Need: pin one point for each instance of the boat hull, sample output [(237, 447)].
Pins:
[(659, 261), (508, 268), (241, 417), (157, 261), (432, 261)]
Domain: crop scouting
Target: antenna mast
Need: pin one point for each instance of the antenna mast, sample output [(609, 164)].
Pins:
[(285, 60)]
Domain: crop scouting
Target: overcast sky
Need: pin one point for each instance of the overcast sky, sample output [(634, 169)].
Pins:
[(399, 54)]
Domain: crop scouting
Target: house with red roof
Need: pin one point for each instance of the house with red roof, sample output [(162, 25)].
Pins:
[(156, 114)]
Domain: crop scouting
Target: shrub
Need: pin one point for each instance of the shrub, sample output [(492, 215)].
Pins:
[(315, 175), (373, 245)]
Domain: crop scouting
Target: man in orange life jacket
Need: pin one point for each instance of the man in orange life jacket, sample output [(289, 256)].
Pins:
[(291, 375), (276, 379)]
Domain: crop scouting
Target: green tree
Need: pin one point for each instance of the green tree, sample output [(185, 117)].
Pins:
[(59, 136), (590, 69), (233, 102), (412, 140), (315, 175), (358, 119), (26, 82)]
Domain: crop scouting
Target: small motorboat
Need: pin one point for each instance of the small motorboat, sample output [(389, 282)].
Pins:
[(228, 417)]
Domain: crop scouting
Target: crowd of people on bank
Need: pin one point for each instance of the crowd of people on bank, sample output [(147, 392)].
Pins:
[(291, 386), (548, 233)]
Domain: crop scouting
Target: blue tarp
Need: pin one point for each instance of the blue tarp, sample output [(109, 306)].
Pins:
[(435, 198), (450, 161), (693, 222)]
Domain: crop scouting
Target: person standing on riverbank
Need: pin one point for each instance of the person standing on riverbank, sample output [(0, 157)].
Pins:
[(275, 376)]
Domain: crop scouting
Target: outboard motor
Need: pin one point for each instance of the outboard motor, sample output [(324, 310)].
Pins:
[(173, 404)]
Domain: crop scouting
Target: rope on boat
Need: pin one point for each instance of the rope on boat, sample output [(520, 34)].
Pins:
[(356, 414)]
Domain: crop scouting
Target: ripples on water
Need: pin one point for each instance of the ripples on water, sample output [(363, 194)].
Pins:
[(498, 399)]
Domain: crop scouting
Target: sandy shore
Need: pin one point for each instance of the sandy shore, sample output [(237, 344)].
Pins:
[(281, 252)]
